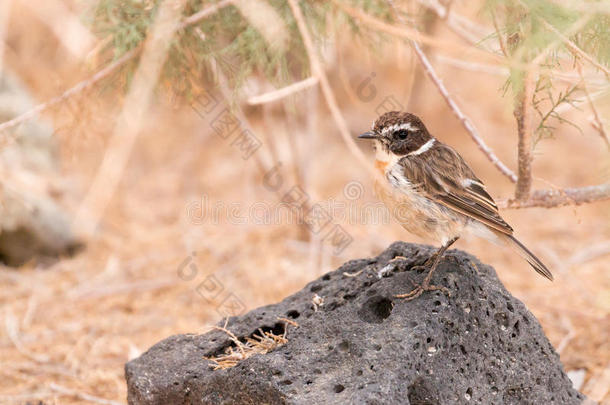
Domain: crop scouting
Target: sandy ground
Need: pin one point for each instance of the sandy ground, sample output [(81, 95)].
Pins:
[(189, 211)]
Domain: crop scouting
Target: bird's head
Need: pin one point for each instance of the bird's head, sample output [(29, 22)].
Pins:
[(399, 133)]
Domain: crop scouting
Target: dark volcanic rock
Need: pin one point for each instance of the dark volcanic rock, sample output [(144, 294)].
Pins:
[(479, 346)]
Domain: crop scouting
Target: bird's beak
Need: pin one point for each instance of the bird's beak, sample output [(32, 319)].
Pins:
[(368, 135)]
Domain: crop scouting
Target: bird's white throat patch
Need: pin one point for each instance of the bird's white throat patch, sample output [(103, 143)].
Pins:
[(383, 155)]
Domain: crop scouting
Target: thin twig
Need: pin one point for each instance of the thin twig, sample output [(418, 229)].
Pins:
[(406, 32), (318, 71), (560, 198), (598, 386), (574, 48), (591, 252), (105, 72), (461, 26), (597, 123), (12, 331), (499, 34), (283, 92), (81, 395), (206, 12), (568, 337), (81, 86), (470, 128), (232, 336)]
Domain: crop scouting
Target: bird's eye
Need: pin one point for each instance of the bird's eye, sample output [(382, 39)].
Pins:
[(402, 134)]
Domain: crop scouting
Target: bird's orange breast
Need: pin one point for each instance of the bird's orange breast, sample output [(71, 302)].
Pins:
[(381, 166)]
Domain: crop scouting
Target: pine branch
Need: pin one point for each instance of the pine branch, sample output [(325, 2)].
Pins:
[(575, 49), (105, 72), (562, 99)]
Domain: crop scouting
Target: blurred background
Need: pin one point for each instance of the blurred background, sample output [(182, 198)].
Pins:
[(165, 164)]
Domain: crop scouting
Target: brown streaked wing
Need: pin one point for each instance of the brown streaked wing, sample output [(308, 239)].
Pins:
[(447, 179)]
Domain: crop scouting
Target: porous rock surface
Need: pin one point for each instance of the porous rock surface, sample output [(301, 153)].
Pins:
[(362, 346)]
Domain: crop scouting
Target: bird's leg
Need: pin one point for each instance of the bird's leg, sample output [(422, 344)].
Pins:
[(425, 285)]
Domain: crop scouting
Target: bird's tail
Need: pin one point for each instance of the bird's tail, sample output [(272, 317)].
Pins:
[(529, 256)]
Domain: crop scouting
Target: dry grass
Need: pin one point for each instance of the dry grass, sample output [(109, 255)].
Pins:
[(68, 329), (260, 343)]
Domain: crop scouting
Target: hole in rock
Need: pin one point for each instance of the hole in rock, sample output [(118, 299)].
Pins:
[(421, 392), (339, 388), (376, 309), (315, 288), (294, 314)]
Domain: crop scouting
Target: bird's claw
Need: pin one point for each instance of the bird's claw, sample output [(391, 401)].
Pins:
[(420, 289)]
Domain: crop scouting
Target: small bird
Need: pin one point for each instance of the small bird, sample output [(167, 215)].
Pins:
[(433, 193)]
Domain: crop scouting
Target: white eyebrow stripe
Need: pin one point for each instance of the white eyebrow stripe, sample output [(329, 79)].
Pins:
[(398, 127), (425, 147)]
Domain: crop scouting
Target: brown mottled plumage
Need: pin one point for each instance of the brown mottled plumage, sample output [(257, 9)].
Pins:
[(433, 192)]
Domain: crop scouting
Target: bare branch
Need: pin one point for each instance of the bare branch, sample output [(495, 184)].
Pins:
[(524, 128), (470, 128), (206, 12), (283, 92), (597, 123), (320, 74), (560, 198), (524, 91), (499, 34), (105, 72)]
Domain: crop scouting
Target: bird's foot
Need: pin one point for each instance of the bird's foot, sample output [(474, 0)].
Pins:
[(420, 289)]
